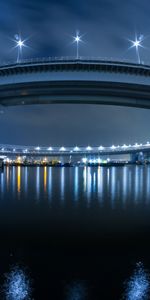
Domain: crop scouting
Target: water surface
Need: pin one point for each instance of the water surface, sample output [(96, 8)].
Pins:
[(77, 224)]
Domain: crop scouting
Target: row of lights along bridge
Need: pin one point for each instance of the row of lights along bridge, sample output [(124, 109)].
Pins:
[(76, 149), (137, 43)]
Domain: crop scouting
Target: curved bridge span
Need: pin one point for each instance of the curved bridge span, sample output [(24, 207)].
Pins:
[(75, 81), (15, 150)]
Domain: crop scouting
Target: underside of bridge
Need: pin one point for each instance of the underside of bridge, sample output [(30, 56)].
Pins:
[(76, 92), (74, 83)]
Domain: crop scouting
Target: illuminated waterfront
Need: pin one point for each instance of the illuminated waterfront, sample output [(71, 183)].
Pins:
[(118, 187)]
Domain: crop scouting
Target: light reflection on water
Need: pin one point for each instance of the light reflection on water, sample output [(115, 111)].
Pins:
[(19, 179), (38, 183), (62, 174), (103, 189), (17, 285), (138, 285), (118, 186), (76, 183), (49, 183), (77, 290), (45, 179)]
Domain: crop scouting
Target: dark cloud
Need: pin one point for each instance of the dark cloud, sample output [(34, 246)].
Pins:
[(107, 25)]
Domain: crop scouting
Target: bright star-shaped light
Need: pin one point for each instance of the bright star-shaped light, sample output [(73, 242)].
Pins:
[(137, 43), (20, 43), (77, 39)]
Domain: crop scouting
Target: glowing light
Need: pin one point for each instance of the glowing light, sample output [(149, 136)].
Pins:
[(101, 148), (14, 150), (84, 160), (50, 148), (62, 149), (19, 179), (17, 285), (137, 43), (19, 44), (77, 40), (137, 287), (124, 146), (45, 178), (25, 151), (136, 145), (108, 159), (113, 147), (76, 148), (88, 148), (99, 160), (37, 148)]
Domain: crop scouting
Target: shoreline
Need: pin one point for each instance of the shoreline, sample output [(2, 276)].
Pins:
[(66, 165)]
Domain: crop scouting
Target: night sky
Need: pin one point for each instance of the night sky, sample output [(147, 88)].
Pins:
[(49, 26)]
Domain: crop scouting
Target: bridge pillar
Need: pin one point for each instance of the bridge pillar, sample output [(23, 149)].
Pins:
[(138, 156), (147, 156)]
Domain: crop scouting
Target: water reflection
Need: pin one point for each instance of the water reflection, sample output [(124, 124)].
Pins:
[(136, 185), (37, 183), (19, 179), (147, 184), (49, 183), (13, 179), (26, 179), (62, 188), (115, 187), (85, 178), (76, 183), (17, 285), (2, 184), (89, 184), (137, 288), (125, 185), (45, 178), (76, 291)]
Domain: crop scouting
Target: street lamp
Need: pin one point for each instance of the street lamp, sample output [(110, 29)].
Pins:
[(77, 40), (137, 43), (19, 45)]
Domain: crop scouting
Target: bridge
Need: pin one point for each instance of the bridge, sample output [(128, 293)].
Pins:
[(67, 80), (31, 151)]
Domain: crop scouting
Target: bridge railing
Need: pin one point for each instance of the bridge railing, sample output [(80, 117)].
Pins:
[(42, 60), (15, 149)]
